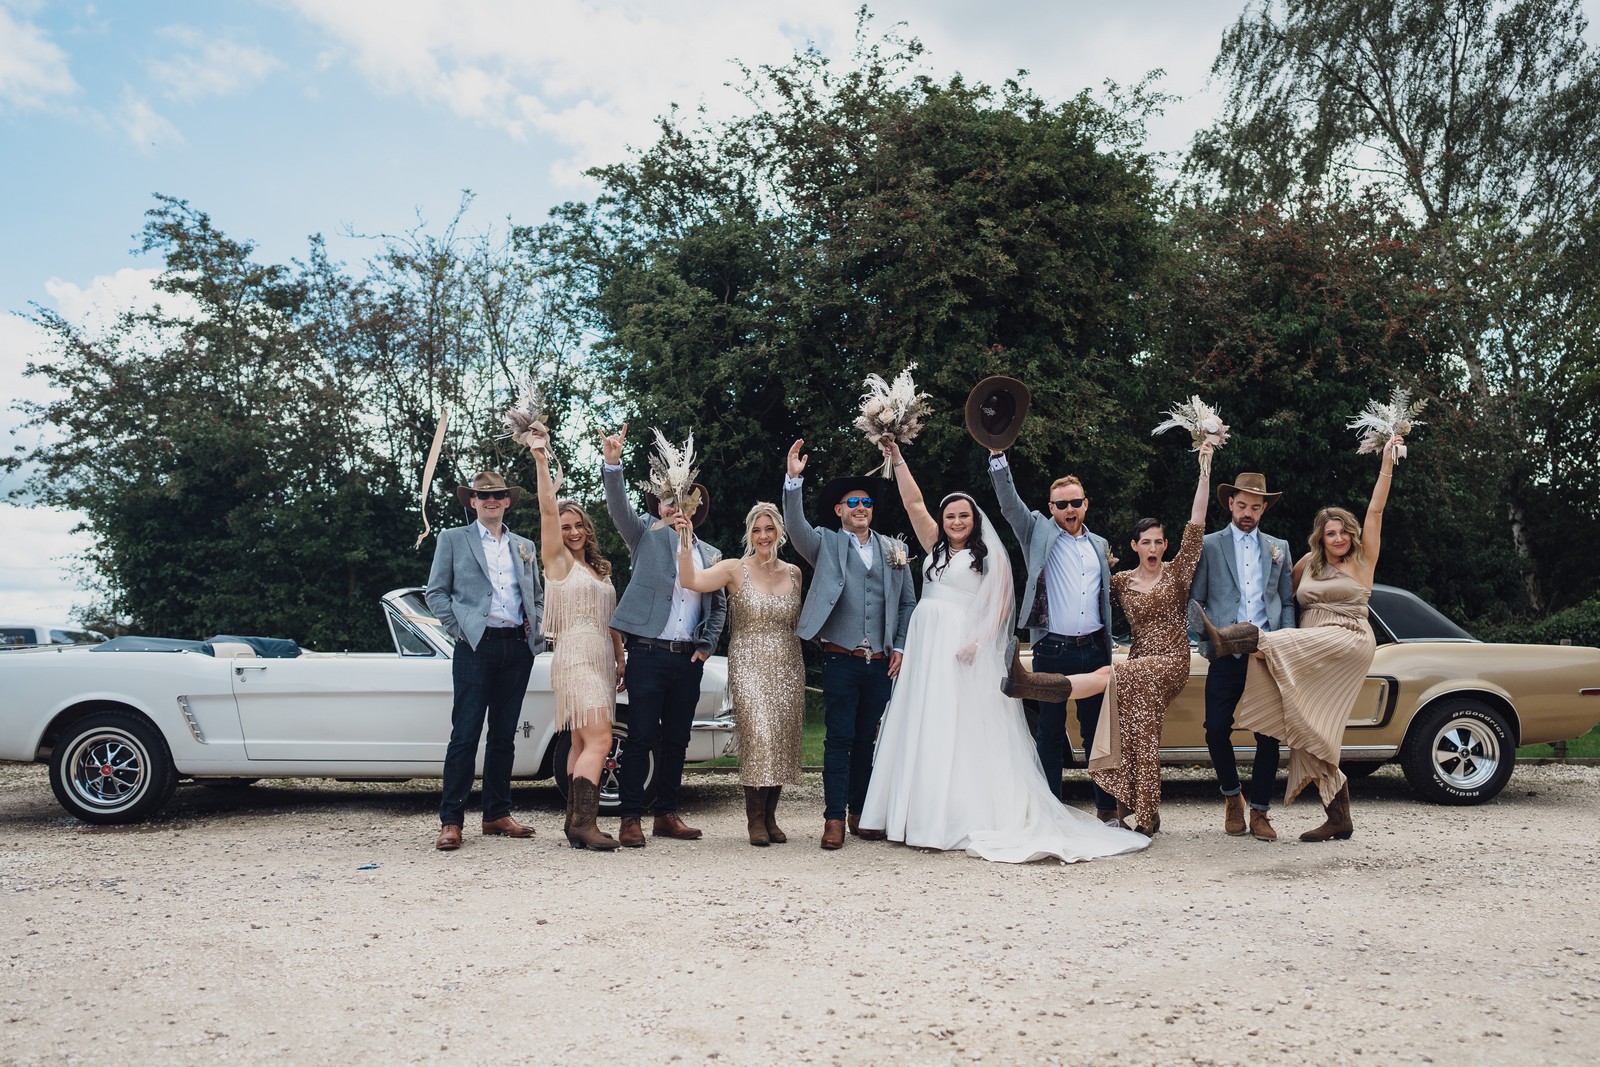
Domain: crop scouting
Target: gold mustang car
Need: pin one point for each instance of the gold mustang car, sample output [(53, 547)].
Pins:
[(1450, 708)]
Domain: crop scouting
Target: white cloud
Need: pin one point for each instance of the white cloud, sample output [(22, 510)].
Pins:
[(38, 582), (144, 127), (33, 69), (209, 66)]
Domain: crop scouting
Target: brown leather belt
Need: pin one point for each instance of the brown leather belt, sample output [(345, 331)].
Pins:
[(863, 653)]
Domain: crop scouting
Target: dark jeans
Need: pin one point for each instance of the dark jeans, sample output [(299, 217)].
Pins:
[(663, 689), (490, 681), (1056, 657), (854, 693), (1224, 687)]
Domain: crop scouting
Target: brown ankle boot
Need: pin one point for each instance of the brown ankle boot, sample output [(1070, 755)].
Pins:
[(1338, 825), (1019, 683), (585, 833), (775, 835), (755, 816), (1229, 640), (1233, 815), (1260, 827)]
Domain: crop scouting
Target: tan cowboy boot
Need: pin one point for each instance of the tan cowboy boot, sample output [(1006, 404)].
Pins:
[(1338, 825), (585, 807), (1229, 640), (775, 835), (1019, 683), (755, 816)]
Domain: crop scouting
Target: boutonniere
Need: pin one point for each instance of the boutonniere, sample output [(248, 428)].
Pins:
[(1277, 554), (896, 553), (525, 553), (1111, 560)]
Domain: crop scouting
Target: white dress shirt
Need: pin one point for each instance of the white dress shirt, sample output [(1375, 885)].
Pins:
[(685, 616), (505, 601), (1072, 585), (1252, 583)]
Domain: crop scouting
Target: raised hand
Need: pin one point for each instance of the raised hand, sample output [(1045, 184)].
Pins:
[(797, 462), (611, 445)]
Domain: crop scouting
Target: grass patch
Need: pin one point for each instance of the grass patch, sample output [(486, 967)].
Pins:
[(810, 738), (1585, 747)]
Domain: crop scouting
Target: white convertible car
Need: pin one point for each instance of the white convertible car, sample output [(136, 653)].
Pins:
[(120, 723)]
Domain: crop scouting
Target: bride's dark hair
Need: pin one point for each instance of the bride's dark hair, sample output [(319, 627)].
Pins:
[(940, 556)]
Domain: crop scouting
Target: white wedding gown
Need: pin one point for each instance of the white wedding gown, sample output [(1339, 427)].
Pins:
[(955, 766)]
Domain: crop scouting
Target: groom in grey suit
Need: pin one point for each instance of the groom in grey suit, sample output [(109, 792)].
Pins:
[(1244, 575), (671, 632), (858, 608), (1066, 609), (484, 590)]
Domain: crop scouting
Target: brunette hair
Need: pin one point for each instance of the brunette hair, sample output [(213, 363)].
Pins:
[(1319, 565), (591, 544), (940, 556), (1147, 524)]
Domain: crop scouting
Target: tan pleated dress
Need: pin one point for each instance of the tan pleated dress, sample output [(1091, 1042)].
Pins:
[(583, 672), (767, 679), (1126, 760), (1303, 691)]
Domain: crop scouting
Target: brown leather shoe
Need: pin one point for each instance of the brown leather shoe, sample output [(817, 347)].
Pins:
[(1260, 828), (505, 826), (669, 825), (630, 834), (1233, 819), (833, 834), (449, 838), (854, 823)]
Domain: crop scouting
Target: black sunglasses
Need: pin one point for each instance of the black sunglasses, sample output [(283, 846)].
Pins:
[(1063, 505), (857, 501), (493, 494)]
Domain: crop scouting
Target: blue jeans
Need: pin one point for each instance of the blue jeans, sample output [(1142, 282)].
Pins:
[(854, 693), (1224, 686), (490, 682), (1050, 738), (663, 689)]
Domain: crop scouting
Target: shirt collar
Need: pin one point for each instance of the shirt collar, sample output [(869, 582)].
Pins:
[(1243, 535), (483, 531)]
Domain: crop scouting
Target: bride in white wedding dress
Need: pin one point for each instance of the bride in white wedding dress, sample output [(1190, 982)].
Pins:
[(955, 766)]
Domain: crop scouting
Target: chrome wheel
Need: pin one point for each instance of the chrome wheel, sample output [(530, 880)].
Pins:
[(1459, 750), (112, 767), (1466, 753), (107, 769)]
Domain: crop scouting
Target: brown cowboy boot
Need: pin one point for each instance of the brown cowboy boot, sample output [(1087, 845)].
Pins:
[(755, 816), (832, 834), (566, 827), (1260, 828), (1338, 825), (1019, 683), (1233, 815), (585, 807), (853, 823), (1229, 640), (775, 835)]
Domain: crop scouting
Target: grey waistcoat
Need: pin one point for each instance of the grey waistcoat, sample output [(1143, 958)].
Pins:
[(847, 624)]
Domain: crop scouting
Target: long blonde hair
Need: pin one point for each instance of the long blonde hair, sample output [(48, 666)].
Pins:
[(1318, 564), (771, 511), (591, 543)]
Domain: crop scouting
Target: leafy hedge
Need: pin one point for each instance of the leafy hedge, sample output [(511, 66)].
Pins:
[(1579, 624)]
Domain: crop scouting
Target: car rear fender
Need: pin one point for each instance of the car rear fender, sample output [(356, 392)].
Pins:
[(1472, 689)]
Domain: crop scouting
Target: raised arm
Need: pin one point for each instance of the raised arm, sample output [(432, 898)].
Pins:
[(557, 564), (1372, 529), (724, 574), (805, 538), (923, 523), (629, 523), (1012, 508), (1202, 488)]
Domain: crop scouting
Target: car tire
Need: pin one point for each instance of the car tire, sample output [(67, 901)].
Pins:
[(1459, 751), (112, 767), (610, 771)]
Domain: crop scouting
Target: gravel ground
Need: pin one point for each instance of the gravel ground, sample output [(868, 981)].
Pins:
[(312, 922)]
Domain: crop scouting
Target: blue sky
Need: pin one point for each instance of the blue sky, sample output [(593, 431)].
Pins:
[(283, 118)]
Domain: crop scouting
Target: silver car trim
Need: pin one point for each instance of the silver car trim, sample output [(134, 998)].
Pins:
[(189, 719)]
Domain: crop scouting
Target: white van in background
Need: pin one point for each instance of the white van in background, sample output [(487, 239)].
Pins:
[(29, 635)]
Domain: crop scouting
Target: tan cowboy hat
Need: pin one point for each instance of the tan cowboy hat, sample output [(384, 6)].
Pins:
[(995, 410), (488, 482), (1249, 482), (652, 504)]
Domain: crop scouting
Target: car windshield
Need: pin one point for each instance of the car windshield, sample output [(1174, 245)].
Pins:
[(1409, 618), (415, 611)]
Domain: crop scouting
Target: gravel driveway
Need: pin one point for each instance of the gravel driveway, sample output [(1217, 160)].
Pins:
[(312, 922)]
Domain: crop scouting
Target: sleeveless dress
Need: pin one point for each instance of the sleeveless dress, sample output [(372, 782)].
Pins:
[(767, 679), (1126, 761), (583, 672), (1303, 692), (955, 765)]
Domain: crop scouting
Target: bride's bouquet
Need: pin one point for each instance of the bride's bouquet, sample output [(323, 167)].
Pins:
[(672, 478), (1379, 423), (527, 423), (1202, 422), (892, 411)]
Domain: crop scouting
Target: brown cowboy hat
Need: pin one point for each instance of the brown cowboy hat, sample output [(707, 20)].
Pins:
[(995, 410), (488, 482), (652, 504), (1249, 482)]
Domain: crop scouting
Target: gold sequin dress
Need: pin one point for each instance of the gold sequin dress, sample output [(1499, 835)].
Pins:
[(767, 678), (1126, 761), (583, 672), (1303, 691)]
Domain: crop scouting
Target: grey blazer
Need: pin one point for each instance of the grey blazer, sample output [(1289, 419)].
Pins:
[(646, 604), (458, 584), (826, 550), (1037, 533), (1216, 582)]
